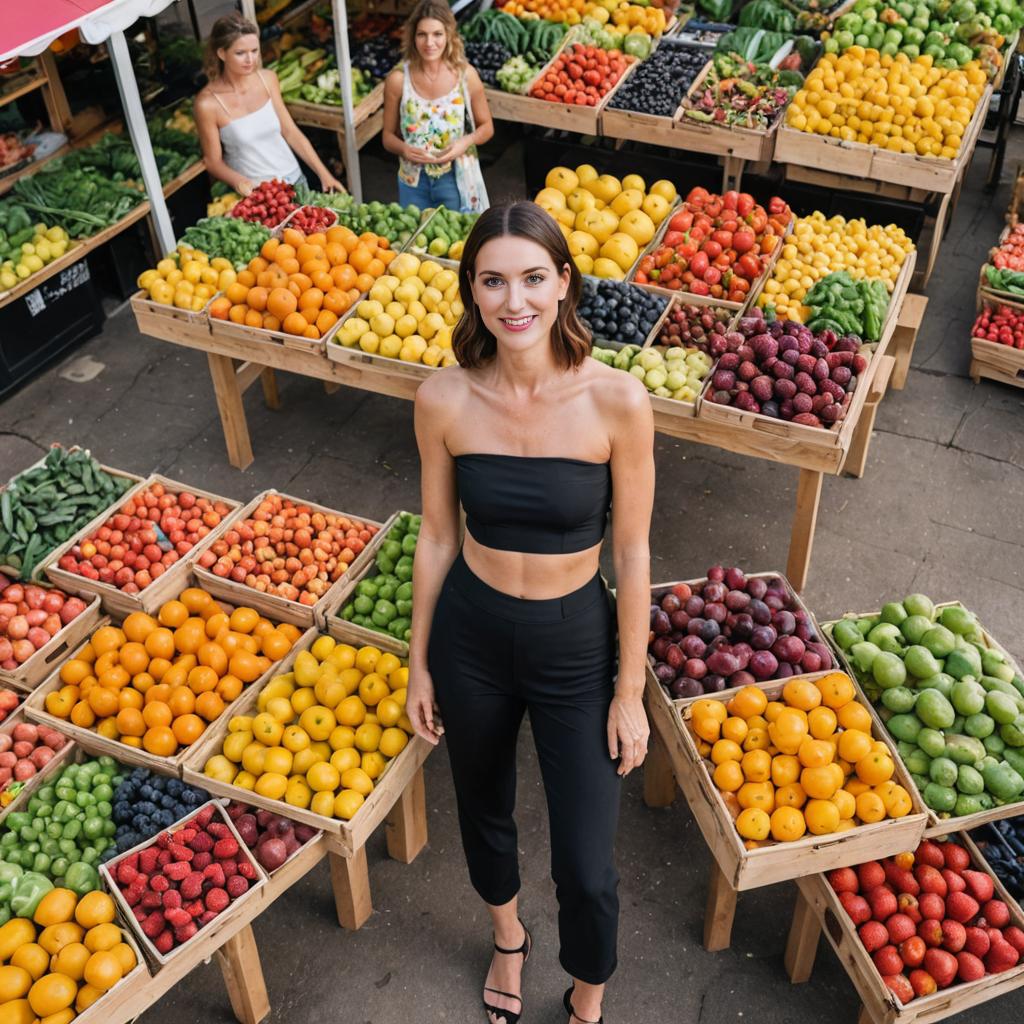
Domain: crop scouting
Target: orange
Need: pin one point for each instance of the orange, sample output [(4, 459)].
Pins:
[(209, 706), (219, 308), (134, 658), (870, 807), (281, 303), (787, 824), (728, 776), (815, 753), (360, 258), (246, 666), (854, 745), (132, 696), (757, 739), (855, 716), (787, 732), (246, 277), (821, 722), (855, 787), (707, 728), (236, 293), (791, 795), (198, 601), (799, 693), (269, 248), (158, 692), (875, 768), (757, 794), (846, 802), (836, 690), (311, 298), (229, 688), (785, 769), (138, 626), (49, 995), (753, 823), (772, 711), (258, 264), (114, 678), (187, 729), (160, 644), (157, 713), (325, 321), (236, 314), (202, 679), (107, 638), (103, 971), (291, 632), (757, 765), (95, 908), (734, 729), (160, 741), (190, 636), (294, 323), (364, 282), (276, 645), (103, 701), (293, 238), (172, 614), (726, 750), (253, 319), (211, 655), (376, 267), (244, 620), (899, 803), (819, 783), (182, 701), (215, 623), (344, 276), (74, 671), (130, 722), (83, 715), (750, 701), (705, 708), (822, 817)]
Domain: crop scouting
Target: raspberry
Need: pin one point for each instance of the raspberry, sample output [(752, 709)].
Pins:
[(159, 883), (218, 830), (191, 886), (177, 917), (147, 860), (180, 853), (126, 873), (163, 840), (164, 857), (225, 849), (195, 908), (201, 861), (246, 870), (204, 817), (172, 899), (131, 859), (202, 843), (153, 925), (217, 900), (237, 886), (140, 913), (151, 900), (177, 871), (185, 836), (215, 873), (205, 917), (230, 867), (164, 942), (183, 934)]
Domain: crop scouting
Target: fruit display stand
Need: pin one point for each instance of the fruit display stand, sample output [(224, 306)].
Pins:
[(991, 359), (273, 606), (818, 911), (398, 798), (936, 826), (734, 868), (165, 586), (63, 756), (92, 742), (27, 676)]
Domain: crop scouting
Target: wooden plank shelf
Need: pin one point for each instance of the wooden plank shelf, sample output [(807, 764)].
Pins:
[(21, 85)]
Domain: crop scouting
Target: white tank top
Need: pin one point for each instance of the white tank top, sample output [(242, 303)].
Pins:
[(254, 146)]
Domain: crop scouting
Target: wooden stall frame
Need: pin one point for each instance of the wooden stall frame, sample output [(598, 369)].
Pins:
[(165, 586), (990, 359)]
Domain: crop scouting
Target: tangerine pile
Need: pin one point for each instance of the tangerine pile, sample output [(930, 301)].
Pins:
[(805, 763), (324, 732), (302, 284), (155, 683)]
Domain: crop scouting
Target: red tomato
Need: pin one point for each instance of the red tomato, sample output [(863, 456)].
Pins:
[(712, 249), (700, 263)]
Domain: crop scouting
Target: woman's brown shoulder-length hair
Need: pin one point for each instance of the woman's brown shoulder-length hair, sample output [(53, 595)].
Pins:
[(472, 342)]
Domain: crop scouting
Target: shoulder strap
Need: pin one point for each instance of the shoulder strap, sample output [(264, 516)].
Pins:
[(468, 102), (265, 86), (221, 102)]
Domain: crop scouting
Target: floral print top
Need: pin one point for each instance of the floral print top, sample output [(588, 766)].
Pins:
[(430, 124)]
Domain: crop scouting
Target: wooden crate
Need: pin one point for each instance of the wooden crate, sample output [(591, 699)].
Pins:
[(60, 758), (991, 359), (258, 335), (223, 920), (31, 673), (936, 826), (141, 303), (164, 587), (278, 232), (858, 160), (332, 118), (779, 862), (271, 605), (880, 1004), (92, 742), (342, 837), (38, 571)]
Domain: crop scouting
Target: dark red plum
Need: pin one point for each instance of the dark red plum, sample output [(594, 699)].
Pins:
[(694, 606), (803, 631), (743, 628), (661, 623), (823, 652), (713, 683), (716, 574), (694, 626), (743, 653), (674, 656), (670, 603), (785, 670), (723, 663), (741, 678), (810, 662), (737, 600), (715, 591), (757, 587), (693, 647), (763, 637), (684, 687), (680, 620), (715, 611), (763, 665), (759, 612), (775, 601), (664, 673), (789, 648), (735, 579), (709, 630), (784, 622), (660, 646), (695, 668)]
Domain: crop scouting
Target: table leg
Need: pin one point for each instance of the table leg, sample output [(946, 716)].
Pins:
[(974, 373), (802, 945), (659, 779), (406, 825), (805, 518), (719, 912), (268, 378), (350, 881), (941, 219), (239, 962), (864, 1017), (904, 337), (232, 411)]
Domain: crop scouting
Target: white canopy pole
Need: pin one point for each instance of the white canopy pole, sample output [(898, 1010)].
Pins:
[(249, 10), (355, 182), (136, 119)]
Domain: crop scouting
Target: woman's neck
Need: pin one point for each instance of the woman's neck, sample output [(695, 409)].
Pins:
[(431, 68), (527, 373), (236, 82)]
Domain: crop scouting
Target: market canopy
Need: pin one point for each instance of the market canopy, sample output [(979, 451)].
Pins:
[(29, 28)]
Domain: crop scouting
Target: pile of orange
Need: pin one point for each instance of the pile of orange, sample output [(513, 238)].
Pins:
[(805, 763), (155, 683), (303, 284)]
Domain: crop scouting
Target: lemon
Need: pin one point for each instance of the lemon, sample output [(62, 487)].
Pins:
[(346, 804)]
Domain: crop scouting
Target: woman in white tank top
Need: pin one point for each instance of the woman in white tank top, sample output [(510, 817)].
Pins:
[(246, 132)]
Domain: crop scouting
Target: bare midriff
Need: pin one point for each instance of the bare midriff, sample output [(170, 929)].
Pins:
[(531, 577)]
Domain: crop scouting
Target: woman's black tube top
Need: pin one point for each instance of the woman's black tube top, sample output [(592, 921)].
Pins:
[(537, 506)]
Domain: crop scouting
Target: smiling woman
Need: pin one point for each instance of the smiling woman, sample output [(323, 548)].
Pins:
[(537, 441)]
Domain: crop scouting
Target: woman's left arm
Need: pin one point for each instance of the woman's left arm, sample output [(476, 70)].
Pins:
[(484, 130), (632, 500), (297, 140)]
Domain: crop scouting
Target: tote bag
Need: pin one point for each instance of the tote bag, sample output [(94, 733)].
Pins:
[(468, 177)]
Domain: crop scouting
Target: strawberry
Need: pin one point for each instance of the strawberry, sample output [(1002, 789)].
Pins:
[(205, 918), (215, 874), (899, 927), (230, 867), (996, 913), (979, 885), (1015, 937), (961, 907), (854, 905), (217, 900), (191, 886), (177, 917), (942, 966), (218, 830), (202, 843), (164, 942), (225, 849), (931, 932), (955, 856), (887, 960), (202, 860), (969, 967), (978, 942), (1001, 957), (900, 987), (871, 875), (931, 880), (151, 900), (147, 860), (126, 873), (954, 936), (177, 871), (153, 925), (172, 899), (131, 859), (195, 908), (929, 853), (159, 883), (204, 817), (180, 853), (873, 935), (183, 934), (237, 886), (954, 882), (932, 906), (843, 880), (184, 836), (922, 983), (247, 870), (140, 913)]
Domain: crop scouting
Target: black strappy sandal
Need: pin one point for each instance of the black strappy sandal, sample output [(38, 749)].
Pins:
[(511, 1017), (567, 1003)]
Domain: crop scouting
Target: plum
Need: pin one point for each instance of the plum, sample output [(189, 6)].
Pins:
[(741, 678), (716, 574), (743, 627), (685, 687), (694, 606), (789, 648), (695, 668), (790, 357), (759, 611), (822, 651), (802, 402), (723, 663), (723, 380), (729, 361), (713, 683), (763, 638), (785, 670), (737, 600), (660, 646), (660, 622), (694, 626), (803, 631), (679, 619), (763, 664), (811, 662), (735, 578), (674, 656), (776, 602), (715, 590), (709, 630), (664, 673), (272, 854), (693, 647), (784, 622), (670, 603), (743, 653), (715, 611), (757, 587), (761, 388)]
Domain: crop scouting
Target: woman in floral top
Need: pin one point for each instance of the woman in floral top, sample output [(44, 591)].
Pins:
[(425, 109)]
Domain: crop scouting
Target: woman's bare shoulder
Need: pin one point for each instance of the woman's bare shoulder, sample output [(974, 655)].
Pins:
[(614, 389), (443, 391)]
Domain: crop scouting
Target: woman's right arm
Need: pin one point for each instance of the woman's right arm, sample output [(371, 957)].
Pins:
[(391, 131), (213, 154), (436, 548)]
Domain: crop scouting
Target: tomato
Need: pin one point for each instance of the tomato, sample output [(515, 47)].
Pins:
[(700, 263), (748, 266), (697, 197), (673, 238), (700, 288), (730, 199), (723, 238), (712, 249), (743, 240), (712, 275)]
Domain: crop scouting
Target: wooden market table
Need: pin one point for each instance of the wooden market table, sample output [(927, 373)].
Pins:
[(368, 118)]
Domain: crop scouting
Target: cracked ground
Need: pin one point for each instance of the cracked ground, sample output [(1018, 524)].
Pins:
[(938, 511)]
